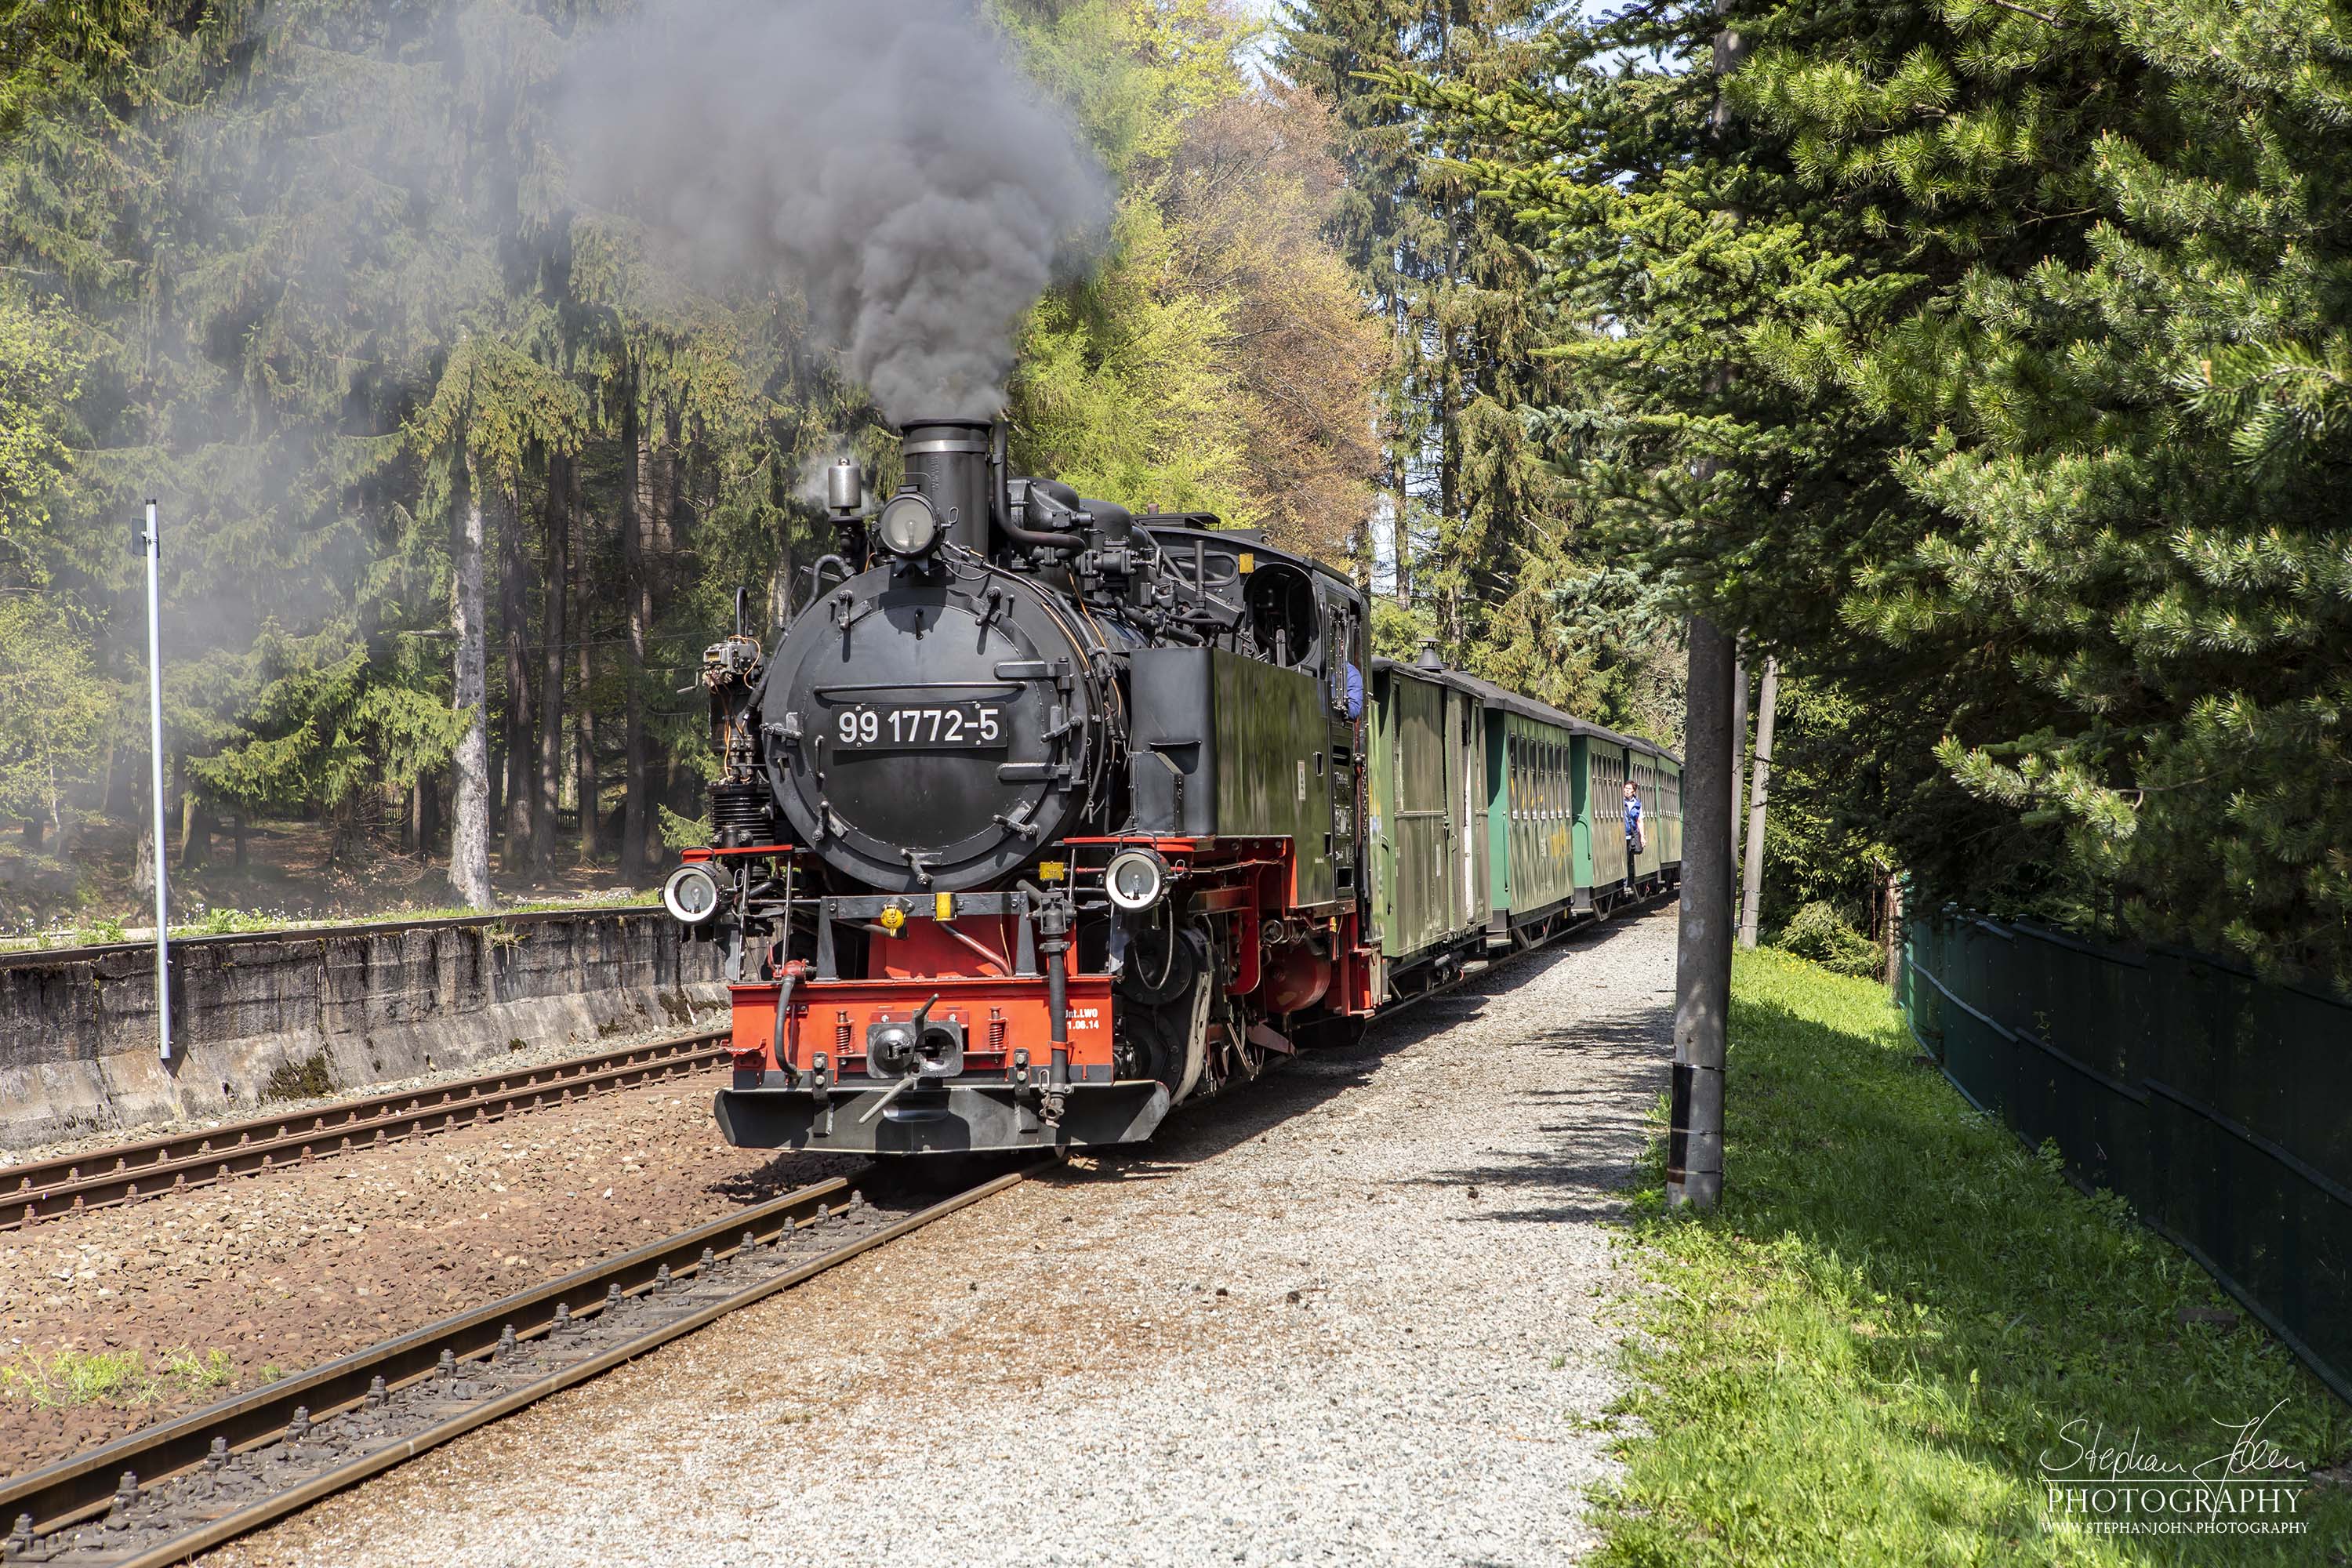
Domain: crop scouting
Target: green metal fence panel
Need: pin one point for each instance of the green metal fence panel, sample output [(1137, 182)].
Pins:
[(2219, 1105)]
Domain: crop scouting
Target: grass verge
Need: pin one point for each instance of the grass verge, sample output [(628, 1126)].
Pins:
[(111, 1377), (1864, 1355)]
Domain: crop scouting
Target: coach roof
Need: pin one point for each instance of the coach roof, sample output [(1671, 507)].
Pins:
[(1511, 702)]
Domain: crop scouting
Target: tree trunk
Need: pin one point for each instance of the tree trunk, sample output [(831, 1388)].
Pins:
[(1400, 533), (636, 523), (497, 765), (469, 833), (196, 830), (668, 481), (522, 745), (780, 584), (1738, 771), (142, 862), (1703, 947), (1894, 929), (1752, 886), (557, 535), (586, 781)]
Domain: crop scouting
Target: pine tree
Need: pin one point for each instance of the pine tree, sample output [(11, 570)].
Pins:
[(1985, 364), (1682, 253), (2133, 438), (291, 268), (1437, 264)]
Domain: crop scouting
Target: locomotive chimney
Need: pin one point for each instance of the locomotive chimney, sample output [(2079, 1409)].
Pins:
[(947, 462)]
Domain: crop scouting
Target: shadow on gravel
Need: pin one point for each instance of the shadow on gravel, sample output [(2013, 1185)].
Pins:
[(1592, 1155), (1201, 1132), (786, 1173)]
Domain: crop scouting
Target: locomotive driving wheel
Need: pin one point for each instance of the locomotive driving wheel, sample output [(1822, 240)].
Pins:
[(1245, 1058)]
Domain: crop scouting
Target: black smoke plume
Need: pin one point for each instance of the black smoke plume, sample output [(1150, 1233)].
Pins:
[(885, 157)]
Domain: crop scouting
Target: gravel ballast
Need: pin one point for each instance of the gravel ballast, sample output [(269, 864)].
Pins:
[(1365, 1312), (289, 1268)]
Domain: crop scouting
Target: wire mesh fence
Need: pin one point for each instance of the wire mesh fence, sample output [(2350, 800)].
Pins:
[(2220, 1105)]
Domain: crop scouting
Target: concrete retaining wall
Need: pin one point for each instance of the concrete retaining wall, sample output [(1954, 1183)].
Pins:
[(77, 1030)]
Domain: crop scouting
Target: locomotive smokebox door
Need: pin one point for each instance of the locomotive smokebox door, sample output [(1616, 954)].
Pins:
[(948, 725)]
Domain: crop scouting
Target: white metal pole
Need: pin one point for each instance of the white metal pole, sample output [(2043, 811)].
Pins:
[(153, 550)]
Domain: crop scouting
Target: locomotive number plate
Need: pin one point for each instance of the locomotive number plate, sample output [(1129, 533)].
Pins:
[(950, 726)]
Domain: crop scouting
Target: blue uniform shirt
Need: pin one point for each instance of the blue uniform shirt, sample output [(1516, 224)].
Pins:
[(1633, 816)]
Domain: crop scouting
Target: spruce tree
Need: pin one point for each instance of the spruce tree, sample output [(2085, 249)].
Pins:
[(1440, 267)]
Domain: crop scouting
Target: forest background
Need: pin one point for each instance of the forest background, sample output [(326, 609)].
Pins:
[(1982, 364)]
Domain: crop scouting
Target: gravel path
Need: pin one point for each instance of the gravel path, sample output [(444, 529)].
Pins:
[(1365, 1312)]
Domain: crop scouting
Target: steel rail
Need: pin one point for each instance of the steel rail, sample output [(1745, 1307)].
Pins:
[(118, 1475), (127, 1173)]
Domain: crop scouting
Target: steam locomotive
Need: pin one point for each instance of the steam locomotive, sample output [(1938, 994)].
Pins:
[(1043, 816)]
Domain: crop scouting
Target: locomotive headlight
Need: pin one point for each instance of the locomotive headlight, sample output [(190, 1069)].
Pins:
[(691, 895), (908, 525), (1136, 880)]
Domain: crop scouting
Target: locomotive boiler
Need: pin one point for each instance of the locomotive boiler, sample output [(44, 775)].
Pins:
[(1040, 817)]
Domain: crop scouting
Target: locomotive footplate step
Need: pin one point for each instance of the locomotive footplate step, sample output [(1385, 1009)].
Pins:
[(966, 1117)]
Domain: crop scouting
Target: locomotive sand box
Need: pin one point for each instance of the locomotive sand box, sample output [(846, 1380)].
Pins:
[(1044, 816)]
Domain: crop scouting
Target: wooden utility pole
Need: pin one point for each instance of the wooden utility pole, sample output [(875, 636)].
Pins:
[(1894, 929), (1703, 946), (1703, 949), (1751, 891)]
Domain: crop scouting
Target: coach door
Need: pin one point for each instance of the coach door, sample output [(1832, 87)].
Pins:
[(1466, 727)]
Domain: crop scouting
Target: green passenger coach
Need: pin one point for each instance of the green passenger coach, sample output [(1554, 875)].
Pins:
[(1499, 820)]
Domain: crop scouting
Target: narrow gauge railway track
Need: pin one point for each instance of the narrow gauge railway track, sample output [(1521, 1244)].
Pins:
[(161, 1496), (127, 1173)]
